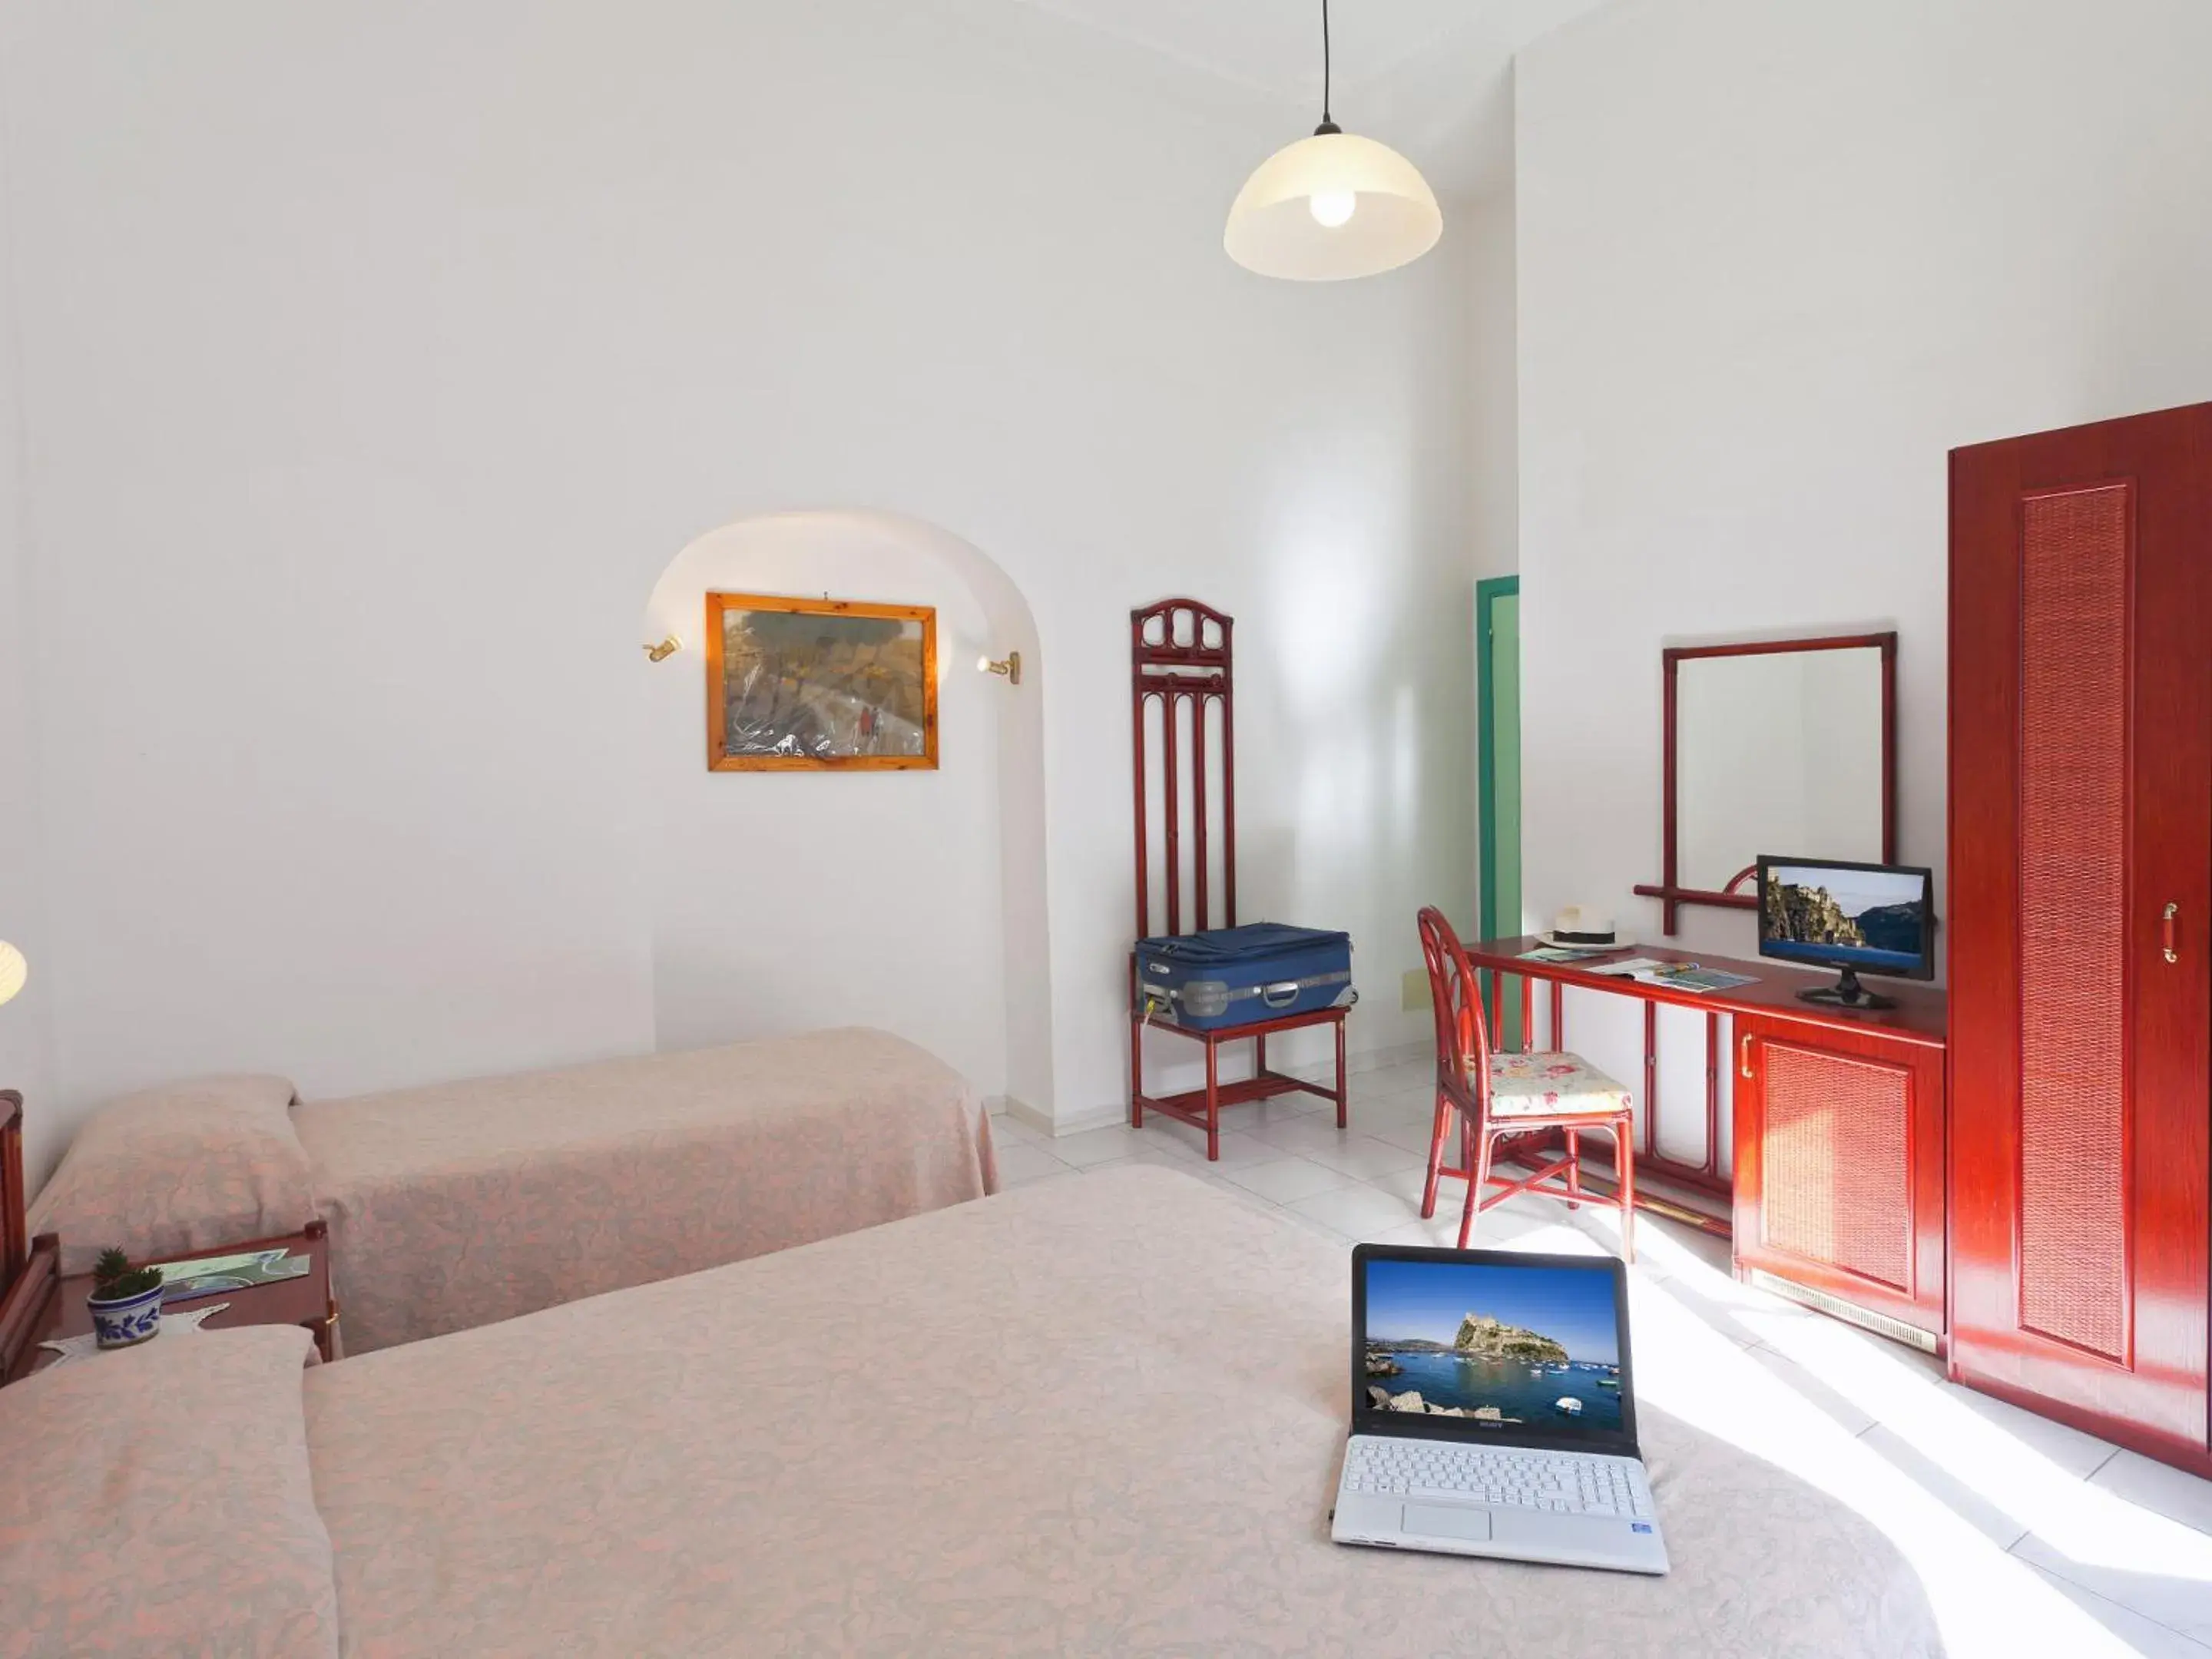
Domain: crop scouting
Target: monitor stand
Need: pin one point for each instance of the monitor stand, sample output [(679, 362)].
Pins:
[(1846, 992)]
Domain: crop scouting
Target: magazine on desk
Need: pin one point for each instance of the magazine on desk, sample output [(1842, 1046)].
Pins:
[(1674, 976), (1564, 953)]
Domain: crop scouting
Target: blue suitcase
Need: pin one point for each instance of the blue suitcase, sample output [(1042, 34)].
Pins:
[(1229, 976)]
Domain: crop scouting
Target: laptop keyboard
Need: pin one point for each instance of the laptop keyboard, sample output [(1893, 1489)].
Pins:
[(1563, 1483)]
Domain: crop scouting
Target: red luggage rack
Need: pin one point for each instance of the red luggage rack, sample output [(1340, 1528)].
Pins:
[(1180, 659)]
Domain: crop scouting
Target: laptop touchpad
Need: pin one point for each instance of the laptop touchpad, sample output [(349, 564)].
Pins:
[(1436, 1520)]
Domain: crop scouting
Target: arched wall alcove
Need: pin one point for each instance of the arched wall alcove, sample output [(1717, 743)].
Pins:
[(914, 901)]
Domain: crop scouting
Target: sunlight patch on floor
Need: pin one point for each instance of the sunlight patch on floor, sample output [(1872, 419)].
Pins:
[(2086, 1523), (1986, 1601)]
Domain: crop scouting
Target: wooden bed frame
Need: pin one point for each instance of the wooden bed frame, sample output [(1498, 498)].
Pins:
[(30, 1269)]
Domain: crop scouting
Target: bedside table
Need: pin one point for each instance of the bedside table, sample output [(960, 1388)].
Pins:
[(305, 1300)]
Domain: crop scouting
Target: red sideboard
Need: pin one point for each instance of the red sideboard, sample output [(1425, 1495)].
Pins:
[(1835, 1186)]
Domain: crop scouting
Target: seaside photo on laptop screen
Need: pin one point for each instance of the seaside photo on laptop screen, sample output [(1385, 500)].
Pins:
[(1494, 1410)]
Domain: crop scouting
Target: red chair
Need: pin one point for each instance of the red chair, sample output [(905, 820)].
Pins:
[(1503, 1094)]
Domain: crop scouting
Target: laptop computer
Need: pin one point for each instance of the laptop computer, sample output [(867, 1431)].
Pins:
[(1493, 1409)]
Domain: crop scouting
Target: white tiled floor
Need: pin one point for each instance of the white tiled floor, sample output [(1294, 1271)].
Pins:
[(2031, 1538)]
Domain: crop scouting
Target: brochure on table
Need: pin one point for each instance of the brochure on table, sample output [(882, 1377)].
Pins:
[(210, 1274)]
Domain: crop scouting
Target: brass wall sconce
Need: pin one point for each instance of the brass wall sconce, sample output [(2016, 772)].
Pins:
[(668, 648), (1012, 667)]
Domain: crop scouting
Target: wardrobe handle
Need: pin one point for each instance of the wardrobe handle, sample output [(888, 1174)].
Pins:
[(2172, 951), (1743, 1055)]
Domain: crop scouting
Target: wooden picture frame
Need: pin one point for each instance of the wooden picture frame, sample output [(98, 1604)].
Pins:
[(856, 692)]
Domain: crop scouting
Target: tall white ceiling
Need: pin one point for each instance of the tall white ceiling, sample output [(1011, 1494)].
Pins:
[(1274, 45), (1429, 76)]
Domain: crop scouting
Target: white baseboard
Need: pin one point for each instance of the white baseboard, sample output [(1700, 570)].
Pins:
[(1030, 1118), (1101, 1117), (1375, 1060), (1075, 1123)]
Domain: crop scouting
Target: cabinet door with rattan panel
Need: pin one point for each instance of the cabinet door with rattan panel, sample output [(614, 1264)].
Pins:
[(2080, 943), (1840, 1165)]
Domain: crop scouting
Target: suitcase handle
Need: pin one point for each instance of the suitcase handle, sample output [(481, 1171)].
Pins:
[(1280, 994)]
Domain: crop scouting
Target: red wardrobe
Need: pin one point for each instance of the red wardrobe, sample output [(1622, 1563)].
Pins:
[(2079, 926)]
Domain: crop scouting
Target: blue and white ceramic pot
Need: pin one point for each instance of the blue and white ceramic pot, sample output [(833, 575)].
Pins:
[(126, 1321)]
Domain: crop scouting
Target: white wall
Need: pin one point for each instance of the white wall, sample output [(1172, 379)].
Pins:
[(1492, 389), (1492, 417), (376, 362), (1776, 260), (788, 900), (23, 1022)]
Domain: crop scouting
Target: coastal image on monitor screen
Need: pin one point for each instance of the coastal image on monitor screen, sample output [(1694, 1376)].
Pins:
[(1532, 1347), (1870, 918)]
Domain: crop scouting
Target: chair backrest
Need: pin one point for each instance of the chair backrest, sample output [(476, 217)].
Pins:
[(1185, 749), (1462, 1033)]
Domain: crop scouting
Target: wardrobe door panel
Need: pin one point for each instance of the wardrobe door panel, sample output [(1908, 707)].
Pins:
[(2071, 1217), (2080, 874), (2170, 933)]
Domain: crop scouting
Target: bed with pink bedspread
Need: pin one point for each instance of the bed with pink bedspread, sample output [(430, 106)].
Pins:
[(1019, 1426), (461, 1204)]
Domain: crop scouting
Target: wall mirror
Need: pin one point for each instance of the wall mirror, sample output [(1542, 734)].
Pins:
[(1775, 746)]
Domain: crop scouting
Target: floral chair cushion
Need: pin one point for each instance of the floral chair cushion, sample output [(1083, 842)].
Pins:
[(1551, 1085)]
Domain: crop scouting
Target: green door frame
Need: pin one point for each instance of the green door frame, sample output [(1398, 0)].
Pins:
[(1487, 595)]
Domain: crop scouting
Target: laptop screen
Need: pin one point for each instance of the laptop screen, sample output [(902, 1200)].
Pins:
[(1464, 1342)]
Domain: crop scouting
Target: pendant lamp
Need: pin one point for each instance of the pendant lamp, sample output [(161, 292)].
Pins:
[(1332, 206)]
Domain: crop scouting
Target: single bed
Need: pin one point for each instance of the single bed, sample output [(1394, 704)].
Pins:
[(1019, 1426), (463, 1203)]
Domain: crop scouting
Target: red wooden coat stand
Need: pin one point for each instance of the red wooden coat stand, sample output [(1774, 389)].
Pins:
[(1180, 658)]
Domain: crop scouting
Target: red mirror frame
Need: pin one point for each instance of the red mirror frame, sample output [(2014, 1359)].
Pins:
[(1668, 891)]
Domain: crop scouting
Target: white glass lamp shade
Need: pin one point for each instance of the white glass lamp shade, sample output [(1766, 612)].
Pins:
[(13, 971), (1333, 206)]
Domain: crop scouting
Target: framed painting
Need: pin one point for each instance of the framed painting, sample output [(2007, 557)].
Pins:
[(819, 685)]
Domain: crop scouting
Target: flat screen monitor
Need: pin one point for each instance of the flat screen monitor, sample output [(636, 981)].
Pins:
[(1857, 918)]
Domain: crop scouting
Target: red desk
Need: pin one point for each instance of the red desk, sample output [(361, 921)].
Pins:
[(1836, 1182)]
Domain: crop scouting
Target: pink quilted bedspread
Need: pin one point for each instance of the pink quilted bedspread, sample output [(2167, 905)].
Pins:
[(460, 1204), (1100, 1416)]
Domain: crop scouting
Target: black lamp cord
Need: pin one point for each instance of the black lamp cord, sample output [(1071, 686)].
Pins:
[(1326, 124)]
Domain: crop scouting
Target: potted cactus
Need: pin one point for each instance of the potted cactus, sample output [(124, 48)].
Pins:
[(125, 1301)]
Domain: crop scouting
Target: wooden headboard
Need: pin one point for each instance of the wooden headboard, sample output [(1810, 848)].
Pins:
[(15, 1225), (30, 1270)]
